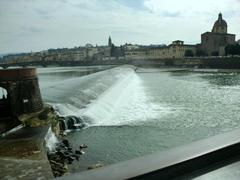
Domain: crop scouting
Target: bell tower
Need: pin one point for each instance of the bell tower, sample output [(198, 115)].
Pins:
[(109, 42)]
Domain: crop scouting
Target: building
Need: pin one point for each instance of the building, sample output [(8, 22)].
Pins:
[(135, 54), (102, 53), (109, 42), (175, 50), (129, 47), (213, 43)]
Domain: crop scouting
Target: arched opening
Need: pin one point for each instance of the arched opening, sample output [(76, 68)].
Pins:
[(5, 110)]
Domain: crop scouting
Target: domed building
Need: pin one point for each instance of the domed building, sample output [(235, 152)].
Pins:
[(214, 43), (220, 26)]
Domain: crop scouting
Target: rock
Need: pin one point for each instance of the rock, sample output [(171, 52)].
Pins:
[(62, 146), (95, 166), (70, 149), (82, 146), (65, 142), (78, 152), (56, 164), (65, 167), (82, 152), (43, 115), (64, 155), (70, 159), (77, 157)]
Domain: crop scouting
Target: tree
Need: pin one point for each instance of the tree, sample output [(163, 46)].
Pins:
[(215, 53), (233, 49), (200, 53), (112, 51), (188, 53)]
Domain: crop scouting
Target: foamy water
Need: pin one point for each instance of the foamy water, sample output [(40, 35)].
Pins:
[(112, 97), (124, 103), (50, 140)]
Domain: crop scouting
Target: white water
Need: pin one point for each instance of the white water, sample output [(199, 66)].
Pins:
[(107, 98), (124, 103), (51, 140)]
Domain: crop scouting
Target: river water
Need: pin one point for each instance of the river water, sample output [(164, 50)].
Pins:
[(131, 113)]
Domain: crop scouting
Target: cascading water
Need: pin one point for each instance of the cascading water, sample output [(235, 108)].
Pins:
[(124, 103), (107, 98), (50, 140)]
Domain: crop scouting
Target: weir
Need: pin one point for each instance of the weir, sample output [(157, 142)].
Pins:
[(92, 103)]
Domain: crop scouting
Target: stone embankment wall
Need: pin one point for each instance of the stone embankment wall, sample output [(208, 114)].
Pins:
[(225, 63), (201, 62)]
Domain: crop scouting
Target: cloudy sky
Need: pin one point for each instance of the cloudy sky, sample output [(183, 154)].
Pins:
[(34, 25)]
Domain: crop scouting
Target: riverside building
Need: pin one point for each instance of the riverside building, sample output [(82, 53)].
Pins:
[(213, 43)]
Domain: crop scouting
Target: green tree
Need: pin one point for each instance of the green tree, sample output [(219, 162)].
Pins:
[(233, 49), (112, 51), (188, 53), (215, 53), (200, 53)]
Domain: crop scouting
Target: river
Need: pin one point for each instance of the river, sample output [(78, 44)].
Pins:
[(131, 113)]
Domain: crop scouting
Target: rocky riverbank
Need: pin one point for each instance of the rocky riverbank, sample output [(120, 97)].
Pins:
[(24, 149), (28, 147), (63, 155)]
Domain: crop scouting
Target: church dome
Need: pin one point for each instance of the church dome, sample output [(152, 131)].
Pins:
[(220, 26)]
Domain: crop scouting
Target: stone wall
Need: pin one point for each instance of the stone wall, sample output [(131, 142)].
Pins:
[(222, 63), (23, 90)]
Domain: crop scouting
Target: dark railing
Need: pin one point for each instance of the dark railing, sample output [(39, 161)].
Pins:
[(174, 163)]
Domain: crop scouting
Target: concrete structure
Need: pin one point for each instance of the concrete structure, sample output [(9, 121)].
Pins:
[(22, 92), (23, 155), (214, 43)]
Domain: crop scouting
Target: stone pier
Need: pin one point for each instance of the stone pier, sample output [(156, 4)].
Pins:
[(22, 152)]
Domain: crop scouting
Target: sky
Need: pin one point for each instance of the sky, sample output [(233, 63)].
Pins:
[(35, 25)]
